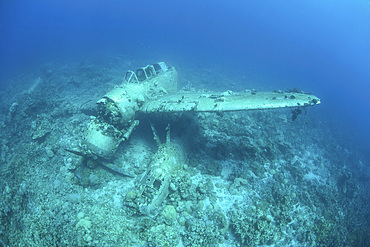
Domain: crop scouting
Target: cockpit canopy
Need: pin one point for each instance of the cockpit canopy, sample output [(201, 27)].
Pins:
[(146, 72)]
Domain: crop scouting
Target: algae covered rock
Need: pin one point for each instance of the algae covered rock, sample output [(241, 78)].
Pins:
[(41, 127), (254, 228), (169, 213), (155, 234)]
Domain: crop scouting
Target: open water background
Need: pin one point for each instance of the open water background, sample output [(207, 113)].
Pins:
[(318, 46)]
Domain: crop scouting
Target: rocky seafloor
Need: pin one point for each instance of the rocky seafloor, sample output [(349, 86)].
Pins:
[(252, 178)]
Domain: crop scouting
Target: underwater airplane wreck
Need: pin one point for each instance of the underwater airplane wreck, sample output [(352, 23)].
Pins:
[(153, 89)]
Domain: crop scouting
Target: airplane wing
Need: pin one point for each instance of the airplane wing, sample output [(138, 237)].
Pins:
[(228, 101)]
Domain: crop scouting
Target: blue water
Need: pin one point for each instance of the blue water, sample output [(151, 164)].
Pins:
[(319, 46)]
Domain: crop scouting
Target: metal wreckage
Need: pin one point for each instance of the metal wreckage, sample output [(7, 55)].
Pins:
[(153, 89)]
